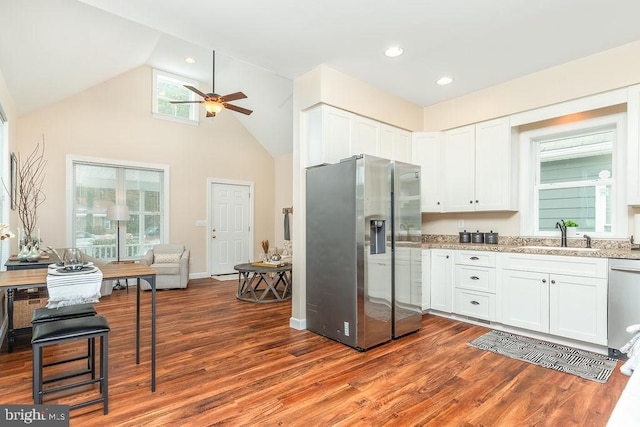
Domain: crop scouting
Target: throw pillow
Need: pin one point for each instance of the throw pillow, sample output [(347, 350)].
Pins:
[(166, 258)]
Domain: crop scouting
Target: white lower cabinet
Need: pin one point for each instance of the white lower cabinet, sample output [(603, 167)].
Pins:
[(475, 284), (479, 305), (442, 280), (426, 279), (567, 305)]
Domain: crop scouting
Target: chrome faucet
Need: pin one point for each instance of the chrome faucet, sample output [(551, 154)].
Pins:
[(588, 240), (563, 230)]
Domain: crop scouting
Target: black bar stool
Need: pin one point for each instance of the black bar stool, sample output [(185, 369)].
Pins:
[(43, 314), (62, 331)]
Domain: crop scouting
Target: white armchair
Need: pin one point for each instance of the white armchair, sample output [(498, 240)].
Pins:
[(172, 264)]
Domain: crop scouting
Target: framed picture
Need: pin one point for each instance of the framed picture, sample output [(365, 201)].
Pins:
[(14, 181)]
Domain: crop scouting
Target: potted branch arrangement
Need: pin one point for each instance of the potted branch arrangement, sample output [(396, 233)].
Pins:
[(30, 177)]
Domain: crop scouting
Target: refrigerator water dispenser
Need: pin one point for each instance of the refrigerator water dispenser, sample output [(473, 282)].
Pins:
[(378, 230)]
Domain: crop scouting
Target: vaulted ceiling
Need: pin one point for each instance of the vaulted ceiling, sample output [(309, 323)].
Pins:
[(52, 49)]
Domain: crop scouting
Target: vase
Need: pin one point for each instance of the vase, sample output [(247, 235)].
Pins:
[(572, 231), (24, 253), (34, 254)]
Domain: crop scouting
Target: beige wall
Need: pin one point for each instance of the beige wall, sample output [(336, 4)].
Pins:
[(283, 196), (595, 74), (113, 121)]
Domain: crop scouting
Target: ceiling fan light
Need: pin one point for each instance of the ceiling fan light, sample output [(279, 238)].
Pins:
[(213, 107)]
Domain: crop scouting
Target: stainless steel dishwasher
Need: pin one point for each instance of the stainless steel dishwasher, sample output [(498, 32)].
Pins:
[(624, 303)]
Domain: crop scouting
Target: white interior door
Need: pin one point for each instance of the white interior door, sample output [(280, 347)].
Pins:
[(230, 233)]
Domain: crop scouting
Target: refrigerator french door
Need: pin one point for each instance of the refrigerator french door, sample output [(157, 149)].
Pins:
[(350, 256)]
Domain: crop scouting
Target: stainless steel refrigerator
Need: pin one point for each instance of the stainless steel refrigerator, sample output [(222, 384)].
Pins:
[(363, 268)]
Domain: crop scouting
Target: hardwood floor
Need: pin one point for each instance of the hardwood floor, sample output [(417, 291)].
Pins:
[(226, 362)]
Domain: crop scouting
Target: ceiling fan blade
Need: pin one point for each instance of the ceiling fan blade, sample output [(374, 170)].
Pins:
[(193, 89), (233, 96), (238, 109), (185, 102)]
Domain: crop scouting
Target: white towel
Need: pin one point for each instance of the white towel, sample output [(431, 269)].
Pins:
[(73, 288)]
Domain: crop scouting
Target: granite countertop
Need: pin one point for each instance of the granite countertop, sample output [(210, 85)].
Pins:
[(605, 248)]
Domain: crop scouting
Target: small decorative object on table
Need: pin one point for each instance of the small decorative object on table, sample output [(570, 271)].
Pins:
[(265, 248)]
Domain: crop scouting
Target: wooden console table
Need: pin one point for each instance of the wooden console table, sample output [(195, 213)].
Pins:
[(20, 279), (252, 276)]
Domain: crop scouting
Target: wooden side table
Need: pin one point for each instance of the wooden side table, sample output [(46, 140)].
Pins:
[(252, 276)]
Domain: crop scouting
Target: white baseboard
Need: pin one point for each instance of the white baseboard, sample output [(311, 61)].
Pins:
[(198, 276), (299, 324)]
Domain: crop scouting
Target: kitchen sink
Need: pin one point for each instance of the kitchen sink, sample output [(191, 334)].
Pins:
[(560, 248)]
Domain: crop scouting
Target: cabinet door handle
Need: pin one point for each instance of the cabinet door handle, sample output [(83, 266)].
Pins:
[(447, 256), (471, 201), (553, 282), (544, 280), (475, 303), (475, 258), (438, 202), (474, 278)]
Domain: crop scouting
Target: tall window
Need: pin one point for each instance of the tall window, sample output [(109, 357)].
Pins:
[(575, 170), (168, 87), (98, 186)]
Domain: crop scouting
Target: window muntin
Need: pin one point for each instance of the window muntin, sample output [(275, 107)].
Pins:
[(168, 87), (96, 187)]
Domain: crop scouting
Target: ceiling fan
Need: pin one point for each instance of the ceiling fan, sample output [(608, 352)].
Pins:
[(213, 102)]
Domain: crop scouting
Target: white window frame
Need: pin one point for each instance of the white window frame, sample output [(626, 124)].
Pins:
[(70, 188), (529, 168), (195, 110)]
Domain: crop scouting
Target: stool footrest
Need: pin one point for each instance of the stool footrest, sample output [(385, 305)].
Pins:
[(72, 359), (70, 386), (65, 377)]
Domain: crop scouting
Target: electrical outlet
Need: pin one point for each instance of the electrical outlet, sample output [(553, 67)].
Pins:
[(461, 223)]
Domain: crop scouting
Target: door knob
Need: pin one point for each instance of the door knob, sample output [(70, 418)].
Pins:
[(213, 236)]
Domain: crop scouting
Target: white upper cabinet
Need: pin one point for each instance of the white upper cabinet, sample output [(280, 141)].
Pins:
[(327, 133), (633, 146), (331, 134), (426, 151), (495, 166), (480, 167), (366, 136), (459, 169), (401, 144)]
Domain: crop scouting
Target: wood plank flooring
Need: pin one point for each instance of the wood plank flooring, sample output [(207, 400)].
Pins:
[(222, 361)]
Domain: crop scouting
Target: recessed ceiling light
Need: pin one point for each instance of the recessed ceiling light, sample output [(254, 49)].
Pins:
[(394, 51), (444, 81), (189, 60)]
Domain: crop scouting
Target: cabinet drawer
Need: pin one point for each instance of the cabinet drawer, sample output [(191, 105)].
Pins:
[(475, 304), (479, 258), (475, 278), (558, 264)]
